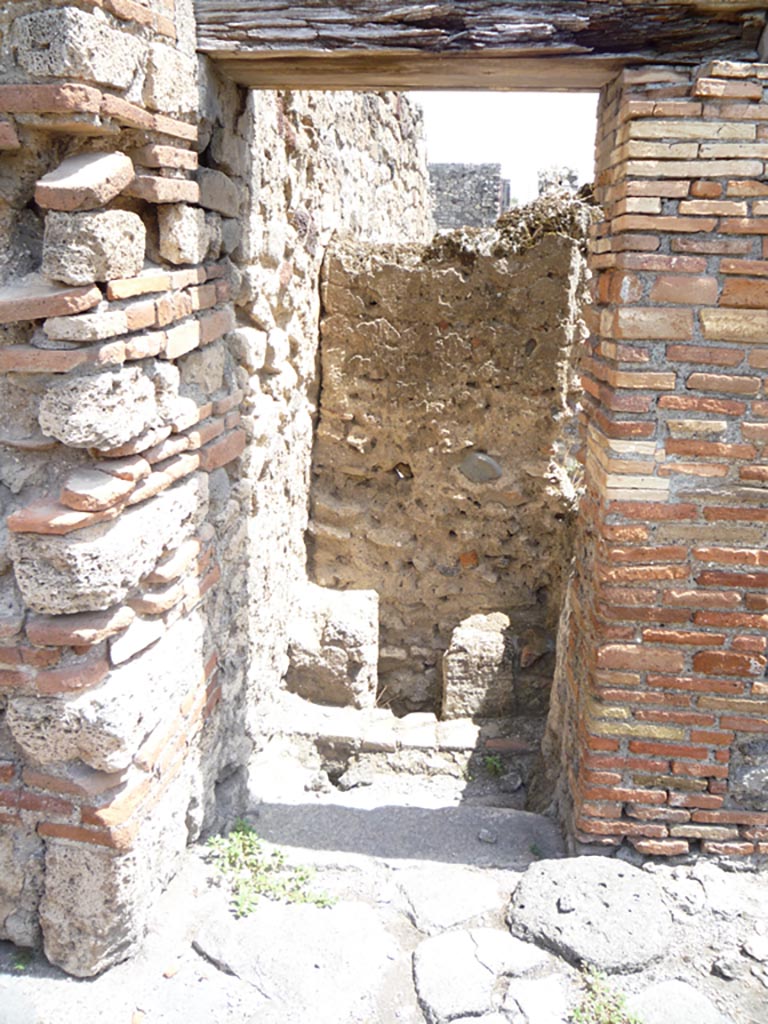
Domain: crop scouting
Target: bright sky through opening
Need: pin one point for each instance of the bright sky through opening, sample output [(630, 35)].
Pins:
[(523, 131)]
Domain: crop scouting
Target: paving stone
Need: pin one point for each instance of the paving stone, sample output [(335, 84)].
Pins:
[(450, 981), (327, 965), (84, 182), (674, 1002), (591, 910), (539, 1000), (34, 298), (443, 896), (80, 248)]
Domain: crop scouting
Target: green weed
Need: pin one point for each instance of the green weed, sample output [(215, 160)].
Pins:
[(252, 872), (493, 765)]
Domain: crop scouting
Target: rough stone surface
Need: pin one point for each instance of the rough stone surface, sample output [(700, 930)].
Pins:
[(80, 248), (335, 973), (478, 668), (184, 234), (100, 411), (749, 773), (441, 897), (171, 83), (537, 1000), (94, 568), (69, 43), (455, 973), (674, 1002), (21, 882), (436, 362), (593, 912), (334, 646), (468, 195), (84, 182)]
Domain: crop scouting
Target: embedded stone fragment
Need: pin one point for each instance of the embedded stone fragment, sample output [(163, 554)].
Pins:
[(480, 468), (218, 192), (334, 647), (84, 182), (104, 410), (95, 568), (478, 668), (184, 234), (65, 42), (80, 248), (35, 298), (593, 911)]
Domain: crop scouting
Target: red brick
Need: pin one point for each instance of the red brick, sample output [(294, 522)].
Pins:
[(81, 628), (723, 663), (653, 323), (726, 849), (706, 354), (691, 683), (622, 828), (660, 847), (744, 724), (692, 769), (40, 299), (9, 138), (80, 675), (745, 293), (49, 99), (677, 717), (718, 406), (723, 383), (713, 247), (708, 800), (685, 290), (136, 117), (75, 833), (697, 599), (49, 517), (223, 450)]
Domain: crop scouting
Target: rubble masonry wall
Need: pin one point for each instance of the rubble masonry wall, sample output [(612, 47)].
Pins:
[(157, 378), (439, 476)]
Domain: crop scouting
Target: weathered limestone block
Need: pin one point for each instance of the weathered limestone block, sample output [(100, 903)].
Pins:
[(95, 568), (105, 727), (184, 233), (84, 182), (88, 927), (334, 646), (104, 410), (171, 82), (478, 668), (80, 248), (66, 42), (21, 883)]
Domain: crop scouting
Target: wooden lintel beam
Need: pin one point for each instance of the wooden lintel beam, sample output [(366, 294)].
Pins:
[(397, 43)]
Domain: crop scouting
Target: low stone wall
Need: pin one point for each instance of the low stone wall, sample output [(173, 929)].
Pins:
[(438, 472)]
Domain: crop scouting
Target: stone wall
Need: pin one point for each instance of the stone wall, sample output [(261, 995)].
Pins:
[(157, 354), (438, 473), (468, 195)]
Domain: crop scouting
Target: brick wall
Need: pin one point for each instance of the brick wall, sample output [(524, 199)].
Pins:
[(661, 702)]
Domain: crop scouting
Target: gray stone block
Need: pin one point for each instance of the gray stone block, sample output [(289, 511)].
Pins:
[(66, 42), (80, 248)]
